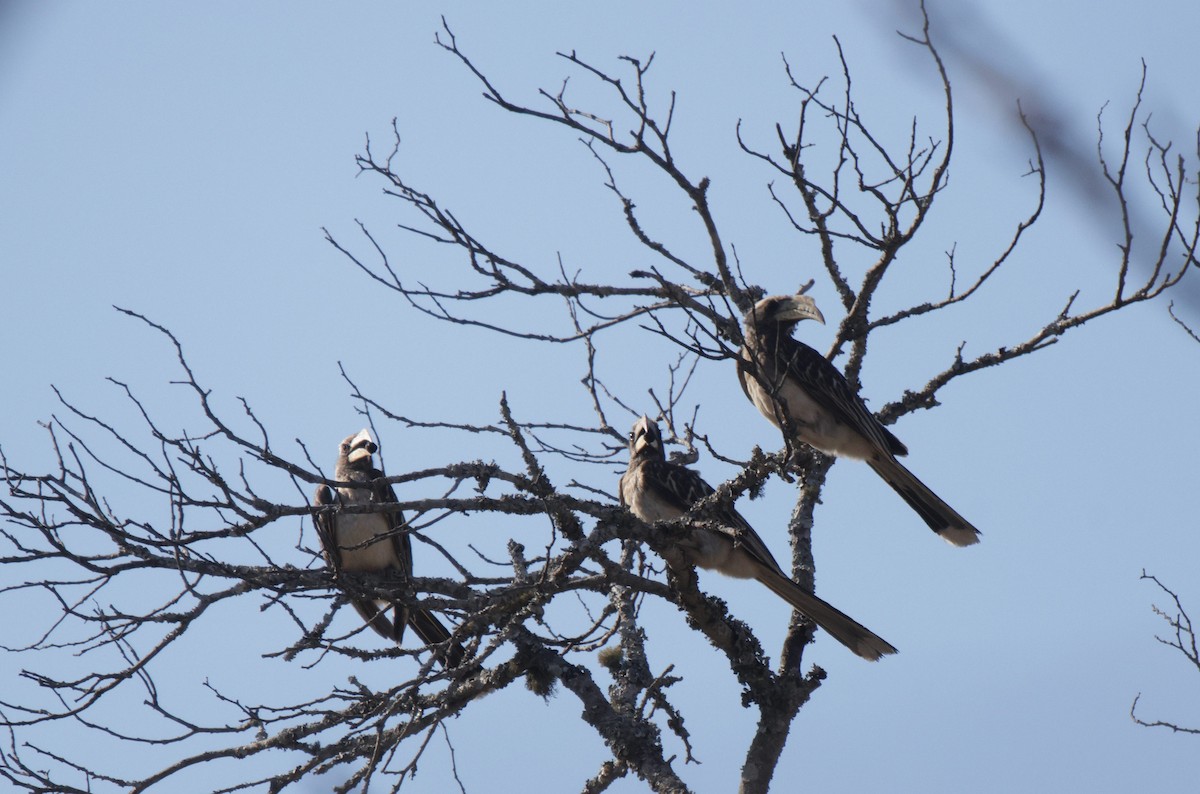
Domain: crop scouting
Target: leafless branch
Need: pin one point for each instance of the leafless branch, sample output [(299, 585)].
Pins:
[(1182, 639)]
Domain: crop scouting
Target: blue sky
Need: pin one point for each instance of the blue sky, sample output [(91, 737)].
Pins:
[(181, 161)]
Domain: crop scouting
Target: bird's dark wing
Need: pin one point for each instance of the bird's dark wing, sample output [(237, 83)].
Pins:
[(675, 485), (822, 381), (382, 493), (324, 521), (431, 630), (685, 487)]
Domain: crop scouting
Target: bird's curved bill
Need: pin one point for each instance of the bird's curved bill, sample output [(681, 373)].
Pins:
[(362, 446)]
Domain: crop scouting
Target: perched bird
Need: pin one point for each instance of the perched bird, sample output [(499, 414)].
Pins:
[(368, 542), (786, 378), (655, 489)]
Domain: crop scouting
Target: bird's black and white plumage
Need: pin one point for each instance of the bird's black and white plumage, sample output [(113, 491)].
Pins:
[(370, 542), (786, 378), (655, 489)]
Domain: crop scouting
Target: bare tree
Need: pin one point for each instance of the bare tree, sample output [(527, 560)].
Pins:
[(139, 533)]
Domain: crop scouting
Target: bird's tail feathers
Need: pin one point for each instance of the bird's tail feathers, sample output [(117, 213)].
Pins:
[(377, 619), (433, 633), (843, 628), (940, 517)]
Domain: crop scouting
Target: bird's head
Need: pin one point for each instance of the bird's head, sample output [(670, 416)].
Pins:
[(784, 311), (357, 450), (645, 438)]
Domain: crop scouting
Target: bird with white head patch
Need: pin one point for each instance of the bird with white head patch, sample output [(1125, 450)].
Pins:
[(374, 541)]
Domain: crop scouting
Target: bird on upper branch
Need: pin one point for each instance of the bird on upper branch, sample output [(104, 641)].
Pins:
[(785, 378), (374, 542), (655, 489)]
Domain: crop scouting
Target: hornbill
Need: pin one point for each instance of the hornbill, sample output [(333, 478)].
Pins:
[(374, 542), (656, 489), (785, 378)]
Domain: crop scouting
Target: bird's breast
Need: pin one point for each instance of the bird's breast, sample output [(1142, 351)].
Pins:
[(643, 500), (815, 425), (362, 542)]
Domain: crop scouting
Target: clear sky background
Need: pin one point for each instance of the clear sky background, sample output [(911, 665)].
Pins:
[(181, 161)]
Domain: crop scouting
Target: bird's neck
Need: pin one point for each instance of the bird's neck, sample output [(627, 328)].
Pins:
[(768, 338)]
